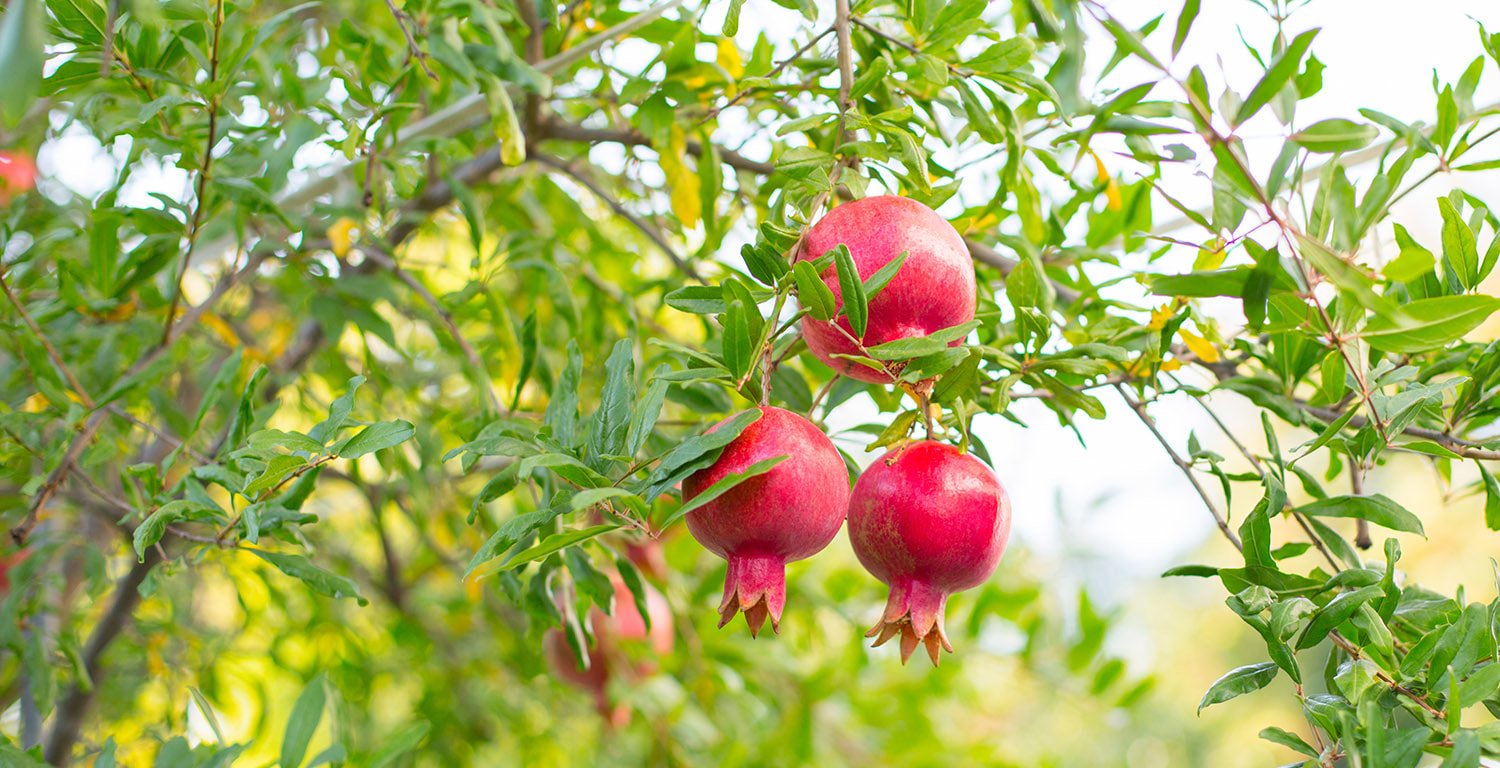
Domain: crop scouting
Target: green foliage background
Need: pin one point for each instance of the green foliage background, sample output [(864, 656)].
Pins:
[(307, 459)]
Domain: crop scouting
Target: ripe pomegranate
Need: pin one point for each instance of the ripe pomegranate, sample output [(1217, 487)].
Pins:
[(929, 521), (786, 514), (17, 175), (606, 657), (933, 290)]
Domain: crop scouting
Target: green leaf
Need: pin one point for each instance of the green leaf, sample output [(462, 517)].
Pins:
[(732, 18), (1202, 571), (338, 413), (1289, 740), (23, 38), (277, 469), (306, 714), (697, 299), (1375, 508), (1491, 499), (377, 436), (739, 348), (883, 276), (1335, 135), (1460, 251), (1466, 751), (921, 346), (399, 744), (323, 582), (155, 525), (813, 293), (1218, 282), (1429, 323), (1239, 681), (696, 452), (1184, 23), (1281, 71), (555, 542), (267, 439), (852, 291), (722, 486), (1336, 612), (562, 409), (609, 427), (643, 417)]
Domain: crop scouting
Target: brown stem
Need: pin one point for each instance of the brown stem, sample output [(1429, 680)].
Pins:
[(74, 705), (200, 195), (1182, 464)]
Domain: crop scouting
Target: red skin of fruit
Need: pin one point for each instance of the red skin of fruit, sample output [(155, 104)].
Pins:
[(760, 525), (606, 657), (929, 521), (933, 290), (17, 175)]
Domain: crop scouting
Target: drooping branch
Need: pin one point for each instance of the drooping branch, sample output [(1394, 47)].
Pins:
[(1182, 464), (651, 232)]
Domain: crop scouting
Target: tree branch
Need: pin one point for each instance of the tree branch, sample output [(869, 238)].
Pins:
[(619, 208), (1183, 464), (74, 706), (200, 196)]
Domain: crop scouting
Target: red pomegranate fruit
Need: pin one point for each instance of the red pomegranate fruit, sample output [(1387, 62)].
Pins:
[(928, 521), (789, 513), (933, 290), (606, 657), (17, 175)]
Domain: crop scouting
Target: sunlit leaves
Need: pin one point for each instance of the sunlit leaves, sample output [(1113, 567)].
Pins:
[(1335, 135), (1375, 508), (1278, 74), (1238, 681)]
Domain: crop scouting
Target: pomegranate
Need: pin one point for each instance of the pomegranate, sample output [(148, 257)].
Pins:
[(933, 290), (929, 521), (606, 657), (17, 175), (786, 514)]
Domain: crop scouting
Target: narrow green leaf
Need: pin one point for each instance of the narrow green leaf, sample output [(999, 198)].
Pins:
[(813, 293), (1375, 508), (1184, 23), (323, 582), (376, 437), (556, 542), (306, 714), (1429, 324), (1281, 71), (1238, 681), (1335, 135), (721, 487), (852, 291)]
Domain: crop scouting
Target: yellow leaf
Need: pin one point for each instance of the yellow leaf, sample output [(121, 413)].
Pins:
[(729, 57), (1171, 365), (1160, 316), (341, 236), (1211, 255), (1199, 346), (1100, 172), (1112, 196), (684, 182)]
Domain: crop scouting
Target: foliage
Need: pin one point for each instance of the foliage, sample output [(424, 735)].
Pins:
[(453, 290)]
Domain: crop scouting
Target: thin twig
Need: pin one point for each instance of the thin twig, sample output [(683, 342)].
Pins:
[(389, 263), (195, 222), (415, 51), (620, 210), (776, 70), (1182, 464), (52, 354)]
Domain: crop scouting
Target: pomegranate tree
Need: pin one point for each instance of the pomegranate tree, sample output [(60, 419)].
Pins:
[(612, 631), (927, 520), (788, 513), (933, 290)]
